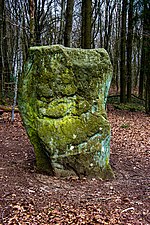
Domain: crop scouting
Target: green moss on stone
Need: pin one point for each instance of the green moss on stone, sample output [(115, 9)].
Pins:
[(62, 99)]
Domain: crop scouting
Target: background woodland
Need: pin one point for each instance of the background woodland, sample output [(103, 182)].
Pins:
[(122, 27)]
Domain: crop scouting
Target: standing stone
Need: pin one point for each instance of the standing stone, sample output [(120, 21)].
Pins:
[(62, 99)]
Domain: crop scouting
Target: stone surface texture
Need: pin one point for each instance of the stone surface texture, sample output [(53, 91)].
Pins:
[(62, 97)]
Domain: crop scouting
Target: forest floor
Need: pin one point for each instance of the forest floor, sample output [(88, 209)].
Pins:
[(30, 198)]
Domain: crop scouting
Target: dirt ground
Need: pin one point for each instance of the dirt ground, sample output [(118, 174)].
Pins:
[(30, 198)]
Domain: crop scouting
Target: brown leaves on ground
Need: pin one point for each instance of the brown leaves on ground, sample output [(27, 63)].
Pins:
[(30, 198)]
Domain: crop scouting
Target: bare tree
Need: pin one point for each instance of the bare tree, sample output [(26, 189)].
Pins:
[(62, 23), (86, 23), (1, 43), (123, 53), (129, 50), (32, 21), (146, 52), (68, 25)]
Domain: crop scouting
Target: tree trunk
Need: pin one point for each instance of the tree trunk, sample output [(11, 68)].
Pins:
[(106, 25), (122, 54), (86, 24), (68, 25), (32, 22), (1, 41), (147, 92), (142, 74), (5, 52), (129, 50), (146, 46), (62, 21), (1, 34)]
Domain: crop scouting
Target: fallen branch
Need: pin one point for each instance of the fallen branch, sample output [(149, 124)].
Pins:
[(125, 210), (138, 97), (8, 108)]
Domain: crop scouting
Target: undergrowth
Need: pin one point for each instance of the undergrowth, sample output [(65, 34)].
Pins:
[(136, 104)]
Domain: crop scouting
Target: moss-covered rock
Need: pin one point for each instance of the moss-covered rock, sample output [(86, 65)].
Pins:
[(62, 99)]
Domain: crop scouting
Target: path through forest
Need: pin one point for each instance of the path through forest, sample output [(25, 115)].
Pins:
[(30, 198)]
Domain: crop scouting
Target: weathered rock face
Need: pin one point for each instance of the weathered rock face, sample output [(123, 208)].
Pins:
[(62, 99)]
